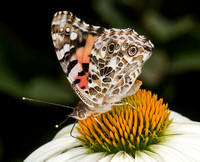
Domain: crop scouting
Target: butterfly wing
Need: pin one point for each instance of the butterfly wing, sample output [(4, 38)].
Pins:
[(116, 62), (73, 40)]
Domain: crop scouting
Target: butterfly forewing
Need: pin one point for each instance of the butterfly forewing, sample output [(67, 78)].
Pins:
[(73, 40)]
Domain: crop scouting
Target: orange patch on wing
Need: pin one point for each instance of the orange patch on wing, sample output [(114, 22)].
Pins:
[(83, 53), (83, 81), (83, 56)]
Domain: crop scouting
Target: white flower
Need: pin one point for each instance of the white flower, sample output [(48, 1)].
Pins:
[(180, 142)]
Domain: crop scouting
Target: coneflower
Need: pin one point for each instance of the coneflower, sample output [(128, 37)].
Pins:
[(150, 132)]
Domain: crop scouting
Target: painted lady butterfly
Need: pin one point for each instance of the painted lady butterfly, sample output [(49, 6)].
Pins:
[(101, 64)]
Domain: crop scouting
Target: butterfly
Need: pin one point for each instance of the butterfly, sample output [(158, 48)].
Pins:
[(102, 65)]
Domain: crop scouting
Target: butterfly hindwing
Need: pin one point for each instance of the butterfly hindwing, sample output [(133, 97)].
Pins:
[(116, 62)]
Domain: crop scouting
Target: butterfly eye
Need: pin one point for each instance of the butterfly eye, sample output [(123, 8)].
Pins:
[(81, 114), (111, 47), (132, 51)]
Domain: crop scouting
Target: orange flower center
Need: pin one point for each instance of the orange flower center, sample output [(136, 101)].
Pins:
[(125, 128)]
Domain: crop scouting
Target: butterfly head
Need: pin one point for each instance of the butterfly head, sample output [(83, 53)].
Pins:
[(80, 112)]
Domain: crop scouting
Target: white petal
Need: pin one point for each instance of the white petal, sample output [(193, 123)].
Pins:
[(178, 117), (184, 140), (94, 157), (190, 140), (122, 157), (70, 154), (189, 152), (107, 158), (145, 155), (168, 153), (52, 148), (186, 144), (184, 128)]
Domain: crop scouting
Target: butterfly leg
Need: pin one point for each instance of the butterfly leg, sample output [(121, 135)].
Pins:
[(125, 103), (97, 120), (73, 129), (101, 124)]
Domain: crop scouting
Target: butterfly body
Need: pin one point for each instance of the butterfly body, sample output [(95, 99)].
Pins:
[(102, 65)]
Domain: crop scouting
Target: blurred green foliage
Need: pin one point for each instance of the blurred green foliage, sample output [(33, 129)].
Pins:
[(145, 17), (176, 52), (19, 64)]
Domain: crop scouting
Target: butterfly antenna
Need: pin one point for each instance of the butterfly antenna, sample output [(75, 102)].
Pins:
[(58, 125), (45, 102), (60, 105)]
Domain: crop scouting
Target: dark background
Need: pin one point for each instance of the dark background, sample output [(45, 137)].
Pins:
[(29, 66)]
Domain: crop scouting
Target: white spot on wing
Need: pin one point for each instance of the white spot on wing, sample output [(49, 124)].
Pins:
[(112, 62), (73, 36), (67, 30), (66, 47), (54, 36), (151, 43), (65, 12), (146, 57), (85, 24), (75, 70), (63, 21), (61, 30), (61, 53), (103, 53)]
